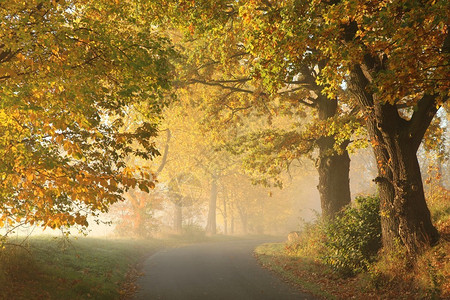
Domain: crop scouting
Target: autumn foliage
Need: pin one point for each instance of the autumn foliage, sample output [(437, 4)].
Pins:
[(69, 71)]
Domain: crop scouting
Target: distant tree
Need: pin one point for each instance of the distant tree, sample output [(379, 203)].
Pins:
[(184, 190), (135, 216), (195, 150), (253, 205)]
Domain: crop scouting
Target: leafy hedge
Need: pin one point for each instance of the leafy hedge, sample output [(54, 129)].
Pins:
[(353, 238)]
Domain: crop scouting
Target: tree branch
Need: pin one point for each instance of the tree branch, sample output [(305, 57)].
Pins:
[(223, 86), (421, 118), (166, 152)]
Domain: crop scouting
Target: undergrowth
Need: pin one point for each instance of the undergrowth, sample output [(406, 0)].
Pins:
[(349, 264), (348, 243)]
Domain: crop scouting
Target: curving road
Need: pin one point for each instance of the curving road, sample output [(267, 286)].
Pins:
[(220, 270)]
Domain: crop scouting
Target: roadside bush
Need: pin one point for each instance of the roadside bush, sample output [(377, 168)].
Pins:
[(193, 231), (310, 241), (353, 238)]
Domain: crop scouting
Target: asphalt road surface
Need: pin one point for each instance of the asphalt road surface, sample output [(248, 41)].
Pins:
[(219, 270)]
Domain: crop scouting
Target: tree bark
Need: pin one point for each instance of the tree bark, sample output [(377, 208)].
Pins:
[(405, 217), (333, 168), (334, 181), (165, 154), (211, 223)]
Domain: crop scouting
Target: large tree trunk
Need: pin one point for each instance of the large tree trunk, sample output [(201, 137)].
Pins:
[(333, 168), (334, 181), (211, 223), (405, 218)]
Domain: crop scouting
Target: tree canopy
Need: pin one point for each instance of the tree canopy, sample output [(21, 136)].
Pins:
[(70, 71)]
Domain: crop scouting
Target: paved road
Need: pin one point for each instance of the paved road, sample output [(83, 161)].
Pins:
[(220, 270)]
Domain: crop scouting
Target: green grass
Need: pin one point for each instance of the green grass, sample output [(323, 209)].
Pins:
[(45, 267), (84, 268)]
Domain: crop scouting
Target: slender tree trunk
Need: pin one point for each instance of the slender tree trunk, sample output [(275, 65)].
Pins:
[(225, 216), (405, 217), (138, 226), (211, 223), (178, 218), (232, 225), (244, 220), (333, 168), (137, 205), (244, 223), (165, 154), (232, 220), (260, 226)]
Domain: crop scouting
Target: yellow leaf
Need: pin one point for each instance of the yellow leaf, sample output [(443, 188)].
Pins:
[(20, 56), (59, 138), (30, 176)]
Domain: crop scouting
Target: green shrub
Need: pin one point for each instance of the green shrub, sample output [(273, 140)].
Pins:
[(353, 238)]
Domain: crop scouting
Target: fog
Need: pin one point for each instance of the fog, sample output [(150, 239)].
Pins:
[(241, 207)]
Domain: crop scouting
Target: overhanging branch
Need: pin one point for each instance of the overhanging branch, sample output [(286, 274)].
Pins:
[(223, 86)]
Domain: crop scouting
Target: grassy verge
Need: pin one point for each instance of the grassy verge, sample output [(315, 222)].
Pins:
[(295, 270), (45, 267), (388, 279), (84, 268)]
